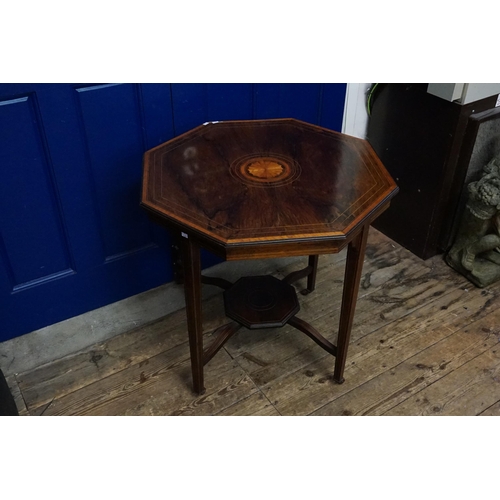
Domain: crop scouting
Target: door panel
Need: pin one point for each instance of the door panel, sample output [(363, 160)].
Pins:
[(229, 101), (331, 110), (72, 234), (156, 102), (34, 243), (189, 104), (113, 128), (301, 101)]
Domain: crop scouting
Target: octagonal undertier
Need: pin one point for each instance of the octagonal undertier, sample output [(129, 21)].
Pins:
[(261, 302)]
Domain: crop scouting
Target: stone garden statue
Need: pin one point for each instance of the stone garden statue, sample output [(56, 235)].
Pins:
[(476, 251)]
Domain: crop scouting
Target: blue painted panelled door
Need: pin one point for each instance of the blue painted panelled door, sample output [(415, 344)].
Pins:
[(72, 234)]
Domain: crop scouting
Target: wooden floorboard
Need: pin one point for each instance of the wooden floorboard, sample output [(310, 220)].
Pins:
[(424, 342), (17, 395)]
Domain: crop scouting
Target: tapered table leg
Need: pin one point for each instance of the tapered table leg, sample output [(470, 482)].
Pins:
[(311, 279), (192, 292), (352, 276)]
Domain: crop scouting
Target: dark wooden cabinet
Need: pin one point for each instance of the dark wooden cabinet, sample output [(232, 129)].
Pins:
[(424, 142)]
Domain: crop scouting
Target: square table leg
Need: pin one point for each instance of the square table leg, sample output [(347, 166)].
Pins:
[(352, 277), (311, 279), (192, 291)]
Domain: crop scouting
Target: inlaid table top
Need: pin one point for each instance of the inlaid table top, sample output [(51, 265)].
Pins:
[(264, 181)]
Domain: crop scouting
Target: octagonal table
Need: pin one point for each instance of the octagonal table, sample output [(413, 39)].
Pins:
[(261, 189)]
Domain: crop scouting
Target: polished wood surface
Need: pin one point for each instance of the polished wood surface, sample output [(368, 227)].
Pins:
[(261, 302), (266, 181), (352, 278), (192, 292), (266, 188)]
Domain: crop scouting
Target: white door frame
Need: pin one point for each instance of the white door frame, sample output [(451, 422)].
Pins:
[(355, 119)]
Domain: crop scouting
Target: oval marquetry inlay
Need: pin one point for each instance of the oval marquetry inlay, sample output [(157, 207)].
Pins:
[(265, 171)]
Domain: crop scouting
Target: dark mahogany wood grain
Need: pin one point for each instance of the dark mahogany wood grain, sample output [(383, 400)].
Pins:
[(311, 279), (262, 189), (313, 334), (192, 290), (332, 182), (352, 277), (261, 302), (222, 335), (310, 271)]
